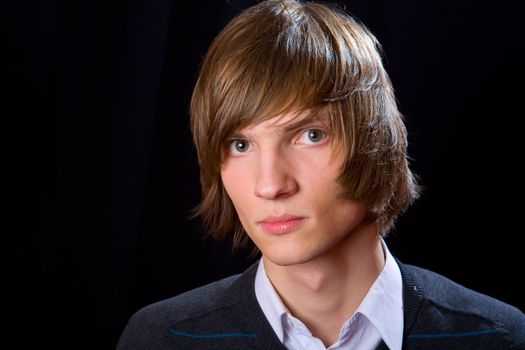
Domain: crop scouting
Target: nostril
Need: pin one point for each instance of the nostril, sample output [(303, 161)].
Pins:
[(275, 188)]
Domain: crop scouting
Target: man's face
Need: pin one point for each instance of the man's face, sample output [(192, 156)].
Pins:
[(281, 177)]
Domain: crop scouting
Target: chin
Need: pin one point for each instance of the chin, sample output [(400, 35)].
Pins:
[(287, 256)]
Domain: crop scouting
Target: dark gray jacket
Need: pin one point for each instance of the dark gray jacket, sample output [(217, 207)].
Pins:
[(438, 314)]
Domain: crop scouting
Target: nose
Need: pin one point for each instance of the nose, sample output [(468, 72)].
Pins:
[(275, 177)]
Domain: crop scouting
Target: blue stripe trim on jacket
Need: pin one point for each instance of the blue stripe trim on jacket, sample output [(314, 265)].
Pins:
[(447, 335), (213, 336)]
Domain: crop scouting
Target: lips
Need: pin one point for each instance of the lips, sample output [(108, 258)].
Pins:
[(282, 224)]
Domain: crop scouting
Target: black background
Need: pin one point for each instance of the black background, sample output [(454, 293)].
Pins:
[(99, 172)]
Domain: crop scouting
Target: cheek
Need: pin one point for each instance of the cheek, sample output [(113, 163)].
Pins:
[(237, 186), (319, 181), (238, 190)]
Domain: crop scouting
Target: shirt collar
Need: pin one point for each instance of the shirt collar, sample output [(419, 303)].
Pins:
[(382, 306)]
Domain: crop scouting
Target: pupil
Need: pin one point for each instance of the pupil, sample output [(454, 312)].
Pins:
[(240, 146), (314, 135)]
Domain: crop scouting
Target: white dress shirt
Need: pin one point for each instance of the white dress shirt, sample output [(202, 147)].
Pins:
[(379, 316)]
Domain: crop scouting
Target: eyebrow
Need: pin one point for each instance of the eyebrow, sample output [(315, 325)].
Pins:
[(310, 118)]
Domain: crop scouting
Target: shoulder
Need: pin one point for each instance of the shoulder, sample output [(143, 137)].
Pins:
[(447, 302), (449, 294), (190, 304), (148, 325)]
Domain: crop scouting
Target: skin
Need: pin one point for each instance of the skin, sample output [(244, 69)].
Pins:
[(324, 266)]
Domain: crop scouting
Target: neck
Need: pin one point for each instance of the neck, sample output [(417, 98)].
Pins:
[(324, 292)]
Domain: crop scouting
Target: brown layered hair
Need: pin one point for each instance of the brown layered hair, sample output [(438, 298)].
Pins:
[(286, 56)]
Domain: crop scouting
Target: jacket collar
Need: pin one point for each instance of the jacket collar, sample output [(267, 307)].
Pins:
[(412, 297)]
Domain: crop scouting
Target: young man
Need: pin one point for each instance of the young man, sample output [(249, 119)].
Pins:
[(303, 151)]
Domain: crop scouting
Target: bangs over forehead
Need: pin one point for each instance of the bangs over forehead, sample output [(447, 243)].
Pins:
[(283, 63)]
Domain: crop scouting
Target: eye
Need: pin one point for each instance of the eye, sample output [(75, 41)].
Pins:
[(239, 146), (311, 137)]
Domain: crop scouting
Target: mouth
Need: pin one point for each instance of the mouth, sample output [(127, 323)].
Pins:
[(278, 225)]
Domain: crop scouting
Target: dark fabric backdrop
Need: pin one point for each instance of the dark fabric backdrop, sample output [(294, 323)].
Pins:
[(99, 172)]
